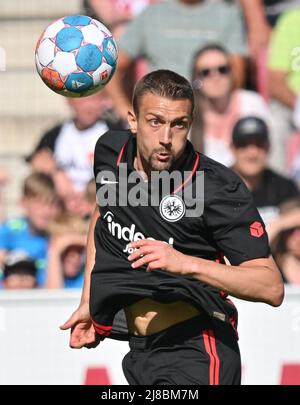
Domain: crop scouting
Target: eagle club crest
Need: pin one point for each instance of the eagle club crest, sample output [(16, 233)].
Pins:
[(172, 208)]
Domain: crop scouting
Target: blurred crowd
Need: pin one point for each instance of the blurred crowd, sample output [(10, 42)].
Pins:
[(243, 60)]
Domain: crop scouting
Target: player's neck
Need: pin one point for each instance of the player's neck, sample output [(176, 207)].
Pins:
[(139, 167)]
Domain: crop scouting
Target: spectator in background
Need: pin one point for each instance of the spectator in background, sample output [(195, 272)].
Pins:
[(293, 146), (275, 8), (85, 205), (19, 271), (66, 252), (4, 177), (250, 147), (284, 235), (293, 157), (29, 233), (90, 198), (219, 105), (284, 82), (66, 151), (114, 13), (258, 27), (169, 33)]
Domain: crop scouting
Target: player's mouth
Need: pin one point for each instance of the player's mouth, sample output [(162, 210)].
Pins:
[(163, 157)]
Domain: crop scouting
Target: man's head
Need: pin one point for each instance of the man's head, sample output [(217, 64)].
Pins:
[(211, 67), (163, 104), (19, 271), (40, 200), (88, 110), (250, 146)]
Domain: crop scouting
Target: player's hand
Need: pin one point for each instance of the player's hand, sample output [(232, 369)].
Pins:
[(82, 330), (157, 255)]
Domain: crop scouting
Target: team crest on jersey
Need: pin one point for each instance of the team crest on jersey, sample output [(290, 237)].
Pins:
[(172, 208)]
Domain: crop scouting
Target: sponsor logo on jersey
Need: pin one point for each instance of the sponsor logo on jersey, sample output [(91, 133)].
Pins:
[(256, 229), (172, 208), (126, 233)]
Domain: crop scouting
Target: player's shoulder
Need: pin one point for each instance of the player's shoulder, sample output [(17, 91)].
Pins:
[(220, 180), (112, 140)]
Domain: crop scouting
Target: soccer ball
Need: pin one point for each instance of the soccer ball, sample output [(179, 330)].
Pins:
[(76, 56)]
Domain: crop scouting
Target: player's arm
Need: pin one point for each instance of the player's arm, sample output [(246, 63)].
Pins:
[(82, 330), (253, 280)]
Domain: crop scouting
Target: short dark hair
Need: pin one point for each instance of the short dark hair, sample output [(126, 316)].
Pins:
[(164, 83), (207, 48)]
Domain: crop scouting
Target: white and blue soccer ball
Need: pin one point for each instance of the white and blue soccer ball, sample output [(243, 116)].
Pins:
[(76, 56)]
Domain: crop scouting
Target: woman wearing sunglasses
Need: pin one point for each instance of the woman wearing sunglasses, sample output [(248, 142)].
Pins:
[(220, 104)]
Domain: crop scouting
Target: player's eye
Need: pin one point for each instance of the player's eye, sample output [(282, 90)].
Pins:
[(180, 124), (154, 123)]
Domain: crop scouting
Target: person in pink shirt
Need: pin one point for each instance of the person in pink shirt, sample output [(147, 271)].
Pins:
[(220, 104)]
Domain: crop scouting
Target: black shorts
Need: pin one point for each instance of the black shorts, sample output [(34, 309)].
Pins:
[(199, 351)]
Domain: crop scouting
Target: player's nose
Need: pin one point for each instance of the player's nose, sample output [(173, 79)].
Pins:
[(166, 136)]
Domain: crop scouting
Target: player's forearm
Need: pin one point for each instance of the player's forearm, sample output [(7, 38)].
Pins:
[(250, 283), (90, 258)]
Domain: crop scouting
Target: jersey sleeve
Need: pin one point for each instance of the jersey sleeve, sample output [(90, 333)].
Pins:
[(235, 225)]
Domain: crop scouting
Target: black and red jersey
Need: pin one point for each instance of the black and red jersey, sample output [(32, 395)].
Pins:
[(229, 226)]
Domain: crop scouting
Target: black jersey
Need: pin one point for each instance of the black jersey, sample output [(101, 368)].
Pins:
[(229, 226)]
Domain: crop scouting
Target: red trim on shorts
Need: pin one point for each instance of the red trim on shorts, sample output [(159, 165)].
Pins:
[(215, 354), (101, 329), (191, 175), (233, 318), (214, 361), (121, 153)]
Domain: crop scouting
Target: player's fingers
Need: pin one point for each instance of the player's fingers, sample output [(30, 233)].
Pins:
[(144, 260), (154, 265), (141, 251), (93, 343), (76, 343), (69, 323), (145, 242)]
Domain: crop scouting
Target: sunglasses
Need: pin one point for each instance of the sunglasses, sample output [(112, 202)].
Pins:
[(206, 72)]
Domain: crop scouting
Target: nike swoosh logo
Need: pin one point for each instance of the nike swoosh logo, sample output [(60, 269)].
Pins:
[(104, 181)]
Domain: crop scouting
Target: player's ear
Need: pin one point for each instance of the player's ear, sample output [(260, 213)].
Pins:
[(132, 121)]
